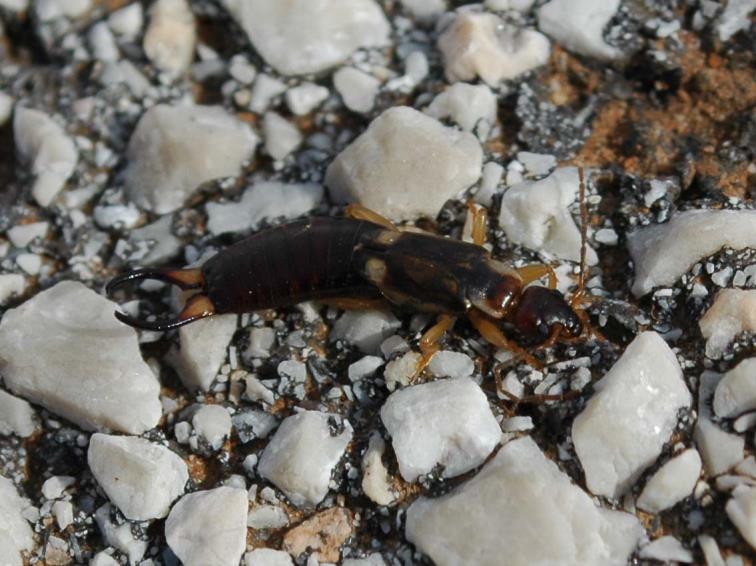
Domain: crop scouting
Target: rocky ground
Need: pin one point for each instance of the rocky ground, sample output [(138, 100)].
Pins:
[(160, 132)]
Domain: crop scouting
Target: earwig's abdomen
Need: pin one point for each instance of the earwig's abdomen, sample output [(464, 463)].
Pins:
[(307, 260)]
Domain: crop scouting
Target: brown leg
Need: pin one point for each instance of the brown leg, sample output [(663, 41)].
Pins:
[(534, 272), (479, 217), (360, 212), (430, 341), (491, 333)]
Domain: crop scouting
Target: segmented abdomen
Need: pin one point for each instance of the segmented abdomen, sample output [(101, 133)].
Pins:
[(286, 265)]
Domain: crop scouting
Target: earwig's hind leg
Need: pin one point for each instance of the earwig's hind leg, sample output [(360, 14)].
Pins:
[(198, 306), (360, 212), (478, 217), (430, 341), (534, 272), (491, 333)]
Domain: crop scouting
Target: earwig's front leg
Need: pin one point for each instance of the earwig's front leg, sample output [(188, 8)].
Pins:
[(534, 272), (478, 219), (491, 333), (430, 341)]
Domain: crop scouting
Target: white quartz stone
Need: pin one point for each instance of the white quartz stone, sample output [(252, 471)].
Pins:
[(264, 200), (21, 235), (170, 36), (376, 483), (483, 45), (30, 263), (209, 527), (204, 345), (519, 5), (11, 284), (666, 549), (663, 252), (401, 370), (633, 412), (212, 424), (364, 367), (671, 483), (405, 165), (720, 450), (156, 242), (733, 312), (299, 37), (304, 98), (267, 517), (711, 552), (579, 25), (281, 136), (736, 392), (16, 416), (127, 21), (103, 559), (15, 533), (537, 163), (52, 9), (467, 105), (301, 456), (119, 536), (55, 486), (446, 422), (357, 88), (267, 557), (548, 519), (102, 42), (46, 147), (535, 214), (266, 88), (63, 349), (174, 149), (446, 363), (15, 6), (424, 9), (63, 513), (139, 477), (735, 17), (741, 510), (366, 329)]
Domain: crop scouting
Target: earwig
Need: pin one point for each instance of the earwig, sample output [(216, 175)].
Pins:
[(362, 260)]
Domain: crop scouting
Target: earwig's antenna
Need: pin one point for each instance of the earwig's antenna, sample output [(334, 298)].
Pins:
[(198, 306), (583, 240)]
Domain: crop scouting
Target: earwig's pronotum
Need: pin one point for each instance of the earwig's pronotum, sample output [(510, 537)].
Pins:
[(361, 261)]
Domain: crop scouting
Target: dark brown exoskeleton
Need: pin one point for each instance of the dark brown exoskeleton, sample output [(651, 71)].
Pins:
[(360, 260)]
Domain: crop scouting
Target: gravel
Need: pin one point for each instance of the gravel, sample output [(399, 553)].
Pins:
[(579, 25), (202, 349), (671, 483), (736, 392), (733, 312)]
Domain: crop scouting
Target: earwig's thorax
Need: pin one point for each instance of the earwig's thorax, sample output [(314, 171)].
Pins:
[(495, 289)]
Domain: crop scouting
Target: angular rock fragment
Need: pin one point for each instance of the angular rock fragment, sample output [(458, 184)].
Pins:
[(63, 349), (625, 424), (44, 145), (365, 329), (469, 106), (375, 478), (424, 8), (741, 510), (212, 424), (16, 535), (11, 284), (446, 423), (663, 252), (300, 37), (174, 149), (405, 165), (579, 25), (357, 89), (666, 549), (118, 534), (535, 214), (733, 312), (140, 477), (736, 392), (672, 483), (520, 489), (170, 36), (322, 534), (483, 45), (281, 136), (267, 557), (209, 527), (16, 416), (720, 450), (204, 345), (301, 456)]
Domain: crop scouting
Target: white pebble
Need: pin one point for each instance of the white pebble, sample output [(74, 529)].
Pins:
[(357, 89), (55, 486), (209, 527), (21, 235), (212, 423), (120, 535), (102, 42), (242, 70), (446, 422), (364, 367), (376, 483), (281, 136), (64, 350), (301, 456), (264, 200), (666, 549), (261, 340), (416, 66), (483, 45), (469, 106), (30, 263), (16, 416), (63, 513), (711, 552), (140, 477), (366, 329), (741, 510), (606, 236), (405, 165), (401, 370), (267, 517), (625, 424), (304, 98), (170, 36), (293, 369), (15, 533), (671, 483), (265, 89), (537, 164), (735, 17), (733, 312), (579, 25), (663, 252), (203, 142), (536, 214), (52, 9), (446, 363), (52, 154), (720, 450), (127, 21), (203, 348), (520, 488), (736, 392), (424, 9), (267, 557), (103, 559), (300, 37)]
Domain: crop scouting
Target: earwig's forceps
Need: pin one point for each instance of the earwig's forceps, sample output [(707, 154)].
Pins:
[(198, 306)]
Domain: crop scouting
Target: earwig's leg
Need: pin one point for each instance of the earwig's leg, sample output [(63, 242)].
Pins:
[(534, 272), (578, 295), (479, 217), (360, 212), (430, 341), (491, 333), (354, 304)]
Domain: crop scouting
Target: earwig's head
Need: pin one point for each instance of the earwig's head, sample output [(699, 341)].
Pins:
[(540, 310)]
